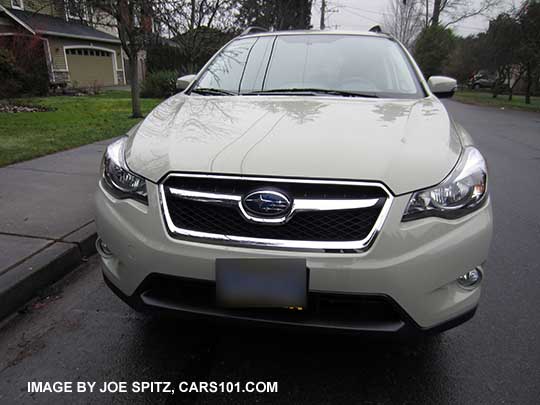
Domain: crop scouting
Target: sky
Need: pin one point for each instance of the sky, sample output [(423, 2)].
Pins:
[(364, 14)]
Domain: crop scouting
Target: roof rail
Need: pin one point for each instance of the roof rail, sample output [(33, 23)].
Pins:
[(253, 30)]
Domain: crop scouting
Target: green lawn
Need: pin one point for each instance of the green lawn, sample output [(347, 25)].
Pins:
[(485, 98), (76, 121)]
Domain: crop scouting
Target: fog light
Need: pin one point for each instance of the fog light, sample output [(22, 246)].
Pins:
[(103, 249), (470, 279)]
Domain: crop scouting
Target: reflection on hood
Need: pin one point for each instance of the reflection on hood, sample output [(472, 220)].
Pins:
[(408, 144)]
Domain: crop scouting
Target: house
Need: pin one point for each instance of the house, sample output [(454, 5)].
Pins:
[(77, 52)]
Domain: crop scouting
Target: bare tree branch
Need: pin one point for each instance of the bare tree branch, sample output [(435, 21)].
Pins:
[(455, 11), (404, 21)]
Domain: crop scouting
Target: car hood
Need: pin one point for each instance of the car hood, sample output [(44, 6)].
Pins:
[(406, 144)]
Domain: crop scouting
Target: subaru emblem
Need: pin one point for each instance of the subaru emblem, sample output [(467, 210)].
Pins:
[(267, 203)]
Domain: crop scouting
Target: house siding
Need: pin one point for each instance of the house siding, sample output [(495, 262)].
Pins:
[(54, 8)]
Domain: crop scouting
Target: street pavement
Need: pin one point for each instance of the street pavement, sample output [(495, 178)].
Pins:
[(79, 331)]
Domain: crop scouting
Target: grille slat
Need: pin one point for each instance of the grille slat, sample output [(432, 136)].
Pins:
[(331, 226), (294, 189)]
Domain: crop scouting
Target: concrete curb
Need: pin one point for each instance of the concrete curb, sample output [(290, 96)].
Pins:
[(24, 281)]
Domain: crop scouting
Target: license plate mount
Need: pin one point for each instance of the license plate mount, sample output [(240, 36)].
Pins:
[(261, 283)]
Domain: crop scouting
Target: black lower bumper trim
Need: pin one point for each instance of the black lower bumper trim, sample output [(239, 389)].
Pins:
[(397, 323)]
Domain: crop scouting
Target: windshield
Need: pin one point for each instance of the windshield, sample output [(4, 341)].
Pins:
[(347, 65)]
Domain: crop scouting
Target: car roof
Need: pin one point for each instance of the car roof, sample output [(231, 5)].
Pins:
[(315, 32)]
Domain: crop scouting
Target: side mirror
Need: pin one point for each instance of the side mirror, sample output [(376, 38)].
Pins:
[(183, 82), (442, 87)]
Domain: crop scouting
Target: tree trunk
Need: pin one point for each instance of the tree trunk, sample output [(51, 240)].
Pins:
[(529, 85), (436, 12), (135, 87), (323, 16), (427, 13), (513, 86), (495, 89), (193, 14)]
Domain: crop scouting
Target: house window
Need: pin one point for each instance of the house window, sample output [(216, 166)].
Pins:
[(18, 4)]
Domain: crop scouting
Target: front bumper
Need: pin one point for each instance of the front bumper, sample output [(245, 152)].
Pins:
[(376, 314), (413, 266)]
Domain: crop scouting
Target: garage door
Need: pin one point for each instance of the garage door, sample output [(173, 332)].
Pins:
[(89, 67)]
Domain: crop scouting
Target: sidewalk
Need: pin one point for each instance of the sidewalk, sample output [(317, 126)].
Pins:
[(46, 220)]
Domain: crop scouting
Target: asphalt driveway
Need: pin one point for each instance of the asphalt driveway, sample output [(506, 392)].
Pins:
[(82, 332)]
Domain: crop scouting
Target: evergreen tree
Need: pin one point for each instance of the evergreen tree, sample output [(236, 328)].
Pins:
[(275, 14), (433, 48)]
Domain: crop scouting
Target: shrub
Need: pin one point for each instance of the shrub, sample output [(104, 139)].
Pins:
[(22, 67), (10, 85), (159, 84), (160, 57)]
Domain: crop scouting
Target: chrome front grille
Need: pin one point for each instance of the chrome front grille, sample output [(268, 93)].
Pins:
[(337, 216)]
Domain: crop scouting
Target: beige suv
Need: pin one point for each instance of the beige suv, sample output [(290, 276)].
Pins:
[(300, 179)]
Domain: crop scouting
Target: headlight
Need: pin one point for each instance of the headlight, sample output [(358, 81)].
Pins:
[(118, 179), (463, 191)]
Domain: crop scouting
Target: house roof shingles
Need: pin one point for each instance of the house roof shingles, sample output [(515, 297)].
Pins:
[(46, 24)]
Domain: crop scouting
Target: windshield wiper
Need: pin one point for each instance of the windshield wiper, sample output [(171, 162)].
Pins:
[(312, 92), (205, 91)]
